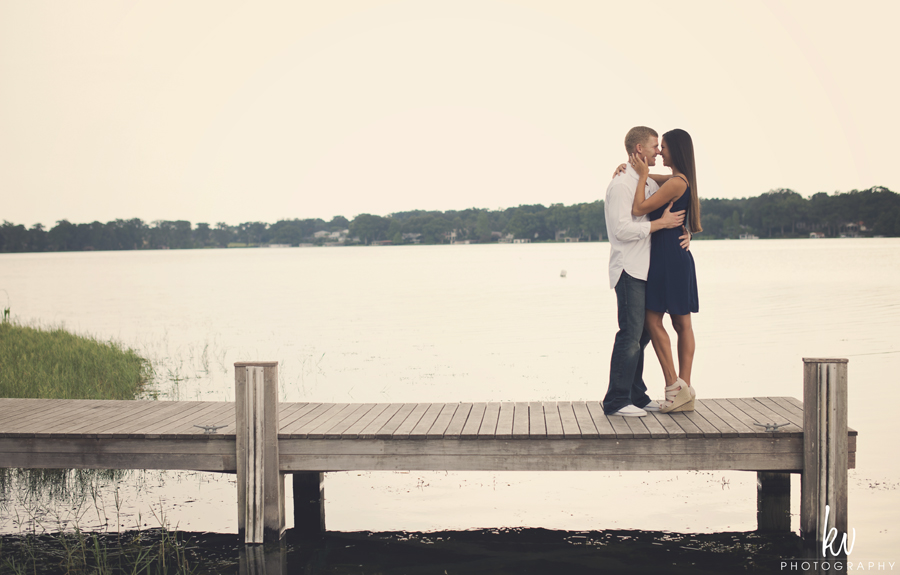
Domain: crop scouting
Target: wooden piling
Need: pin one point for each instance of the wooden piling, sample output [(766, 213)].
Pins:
[(773, 502), (825, 460), (260, 482), (309, 502)]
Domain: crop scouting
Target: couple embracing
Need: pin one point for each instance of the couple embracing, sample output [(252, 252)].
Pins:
[(649, 220)]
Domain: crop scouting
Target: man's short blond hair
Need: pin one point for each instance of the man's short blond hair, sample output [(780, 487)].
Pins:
[(638, 135)]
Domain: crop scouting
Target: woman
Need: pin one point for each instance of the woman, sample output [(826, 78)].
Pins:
[(672, 280)]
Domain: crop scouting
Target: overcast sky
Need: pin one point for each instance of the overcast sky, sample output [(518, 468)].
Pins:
[(238, 111)]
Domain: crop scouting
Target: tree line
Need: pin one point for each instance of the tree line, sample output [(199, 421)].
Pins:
[(780, 213)]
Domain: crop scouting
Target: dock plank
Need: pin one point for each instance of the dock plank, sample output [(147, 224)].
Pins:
[(537, 426), (489, 423), (394, 423), (18, 412), (314, 411), (218, 413), (620, 426), (521, 421), (420, 431), (784, 409), (713, 407), (113, 415), (654, 427), (323, 425), (96, 412), (505, 420), (458, 421), (585, 422), (302, 427), (768, 415), (601, 422), (336, 430), (165, 426), (294, 415), (408, 424), (568, 419), (689, 427), (741, 416), (353, 429), (721, 427), (665, 420), (705, 427), (442, 422), (638, 427), (145, 413), (370, 431), (553, 420), (473, 423)]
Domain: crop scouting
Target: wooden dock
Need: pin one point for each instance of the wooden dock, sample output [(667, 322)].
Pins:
[(313, 438), (720, 434)]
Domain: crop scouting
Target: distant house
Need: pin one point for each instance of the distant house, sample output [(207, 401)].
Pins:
[(522, 241), (412, 238), (817, 235)]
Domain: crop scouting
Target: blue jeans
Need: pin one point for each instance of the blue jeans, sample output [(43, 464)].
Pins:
[(626, 382)]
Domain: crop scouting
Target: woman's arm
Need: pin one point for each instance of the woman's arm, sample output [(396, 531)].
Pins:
[(658, 178), (669, 191)]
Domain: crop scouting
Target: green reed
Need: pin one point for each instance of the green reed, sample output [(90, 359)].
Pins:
[(55, 364)]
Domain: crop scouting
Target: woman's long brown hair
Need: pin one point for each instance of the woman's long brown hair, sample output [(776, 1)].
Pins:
[(681, 148)]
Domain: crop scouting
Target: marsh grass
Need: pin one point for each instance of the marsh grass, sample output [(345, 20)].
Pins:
[(154, 551), (55, 364)]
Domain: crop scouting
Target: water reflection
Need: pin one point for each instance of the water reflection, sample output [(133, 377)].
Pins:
[(473, 552)]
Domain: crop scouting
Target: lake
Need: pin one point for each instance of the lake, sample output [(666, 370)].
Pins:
[(479, 323)]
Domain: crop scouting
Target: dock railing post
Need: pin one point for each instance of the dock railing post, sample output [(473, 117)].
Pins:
[(260, 482), (824, 477)]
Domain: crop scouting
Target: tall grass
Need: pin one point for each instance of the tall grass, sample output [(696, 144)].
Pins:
[(55, 364)]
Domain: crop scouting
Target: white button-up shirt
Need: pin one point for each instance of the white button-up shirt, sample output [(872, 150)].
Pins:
[(629, 236)]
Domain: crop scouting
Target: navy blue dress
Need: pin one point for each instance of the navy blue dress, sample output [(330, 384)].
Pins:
[(672, 280)]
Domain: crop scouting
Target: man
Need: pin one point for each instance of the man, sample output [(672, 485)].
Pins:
[(629, 261)]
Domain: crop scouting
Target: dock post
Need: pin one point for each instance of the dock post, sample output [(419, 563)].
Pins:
[(309, 502), (773, 502), (260, 482), (824, 476)]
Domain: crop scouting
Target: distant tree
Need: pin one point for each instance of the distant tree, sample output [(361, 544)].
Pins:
[(338, 223), (434, 231), (62, 236), (37, 238), (202, 236), (223, 234), (369, 228), (483, 227), (592, 219)]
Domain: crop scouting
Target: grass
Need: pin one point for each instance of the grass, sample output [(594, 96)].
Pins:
[(55, 364), (156, 551)]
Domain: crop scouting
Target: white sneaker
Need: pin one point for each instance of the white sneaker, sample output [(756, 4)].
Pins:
[(652, 406), (630, 411)]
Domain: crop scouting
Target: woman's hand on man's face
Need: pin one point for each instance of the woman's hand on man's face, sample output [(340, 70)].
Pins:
[(639, 165)]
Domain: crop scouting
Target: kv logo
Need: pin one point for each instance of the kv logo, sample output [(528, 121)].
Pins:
[(830, 536)]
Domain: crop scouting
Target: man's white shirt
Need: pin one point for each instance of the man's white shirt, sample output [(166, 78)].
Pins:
[(629, 236)]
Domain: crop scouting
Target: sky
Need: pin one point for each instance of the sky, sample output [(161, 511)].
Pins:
[(224, 111)]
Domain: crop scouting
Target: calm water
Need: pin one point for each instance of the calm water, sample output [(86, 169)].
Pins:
[(479, 323)]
